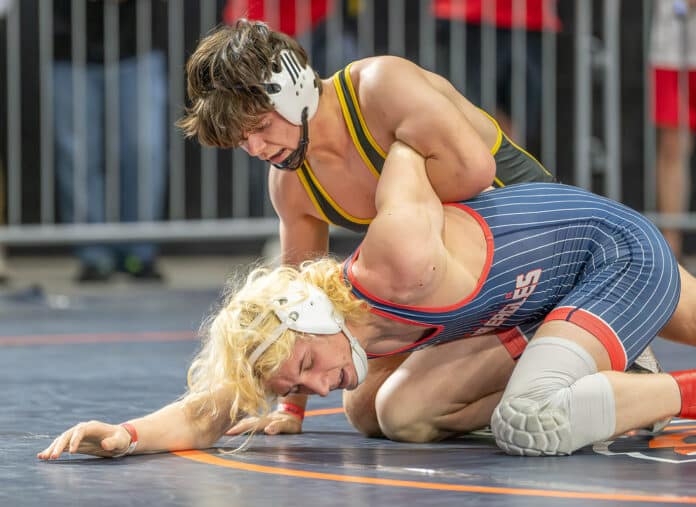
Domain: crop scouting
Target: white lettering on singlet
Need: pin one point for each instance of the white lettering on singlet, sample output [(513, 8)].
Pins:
[(525, 285)]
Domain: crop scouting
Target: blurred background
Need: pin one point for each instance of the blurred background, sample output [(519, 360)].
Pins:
[(98, 185)]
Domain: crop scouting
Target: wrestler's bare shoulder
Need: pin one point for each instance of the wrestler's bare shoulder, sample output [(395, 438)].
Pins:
[(377, 72)]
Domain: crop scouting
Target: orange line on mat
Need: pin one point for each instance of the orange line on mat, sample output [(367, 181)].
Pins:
[(74, 339), (324, 411), (204, 457), (675, 427)]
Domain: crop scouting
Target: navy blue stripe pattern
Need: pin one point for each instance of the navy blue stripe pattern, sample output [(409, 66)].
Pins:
[(557, 245)]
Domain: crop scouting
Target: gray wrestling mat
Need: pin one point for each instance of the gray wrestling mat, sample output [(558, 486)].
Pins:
[(117, 354)]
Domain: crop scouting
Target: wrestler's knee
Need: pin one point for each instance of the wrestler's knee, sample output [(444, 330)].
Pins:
[(554, 408), (527, 427), (403, 415), (359, 407), (359, 404)]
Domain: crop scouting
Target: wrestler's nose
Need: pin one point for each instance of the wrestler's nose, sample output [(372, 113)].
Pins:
[(318, 384), (253, 145)]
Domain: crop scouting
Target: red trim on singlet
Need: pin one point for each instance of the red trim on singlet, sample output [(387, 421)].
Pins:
[(598, 328), (482, 279), (438, 329), (513, 341)]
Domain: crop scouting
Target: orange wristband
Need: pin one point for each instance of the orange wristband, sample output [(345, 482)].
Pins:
[(291, 408)]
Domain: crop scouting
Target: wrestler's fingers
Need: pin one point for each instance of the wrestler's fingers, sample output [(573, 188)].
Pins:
[(110, 444), (116, 442), (59, 445), (245, 425), (54, 450), (287, 425), (77, 436), (45, 453)]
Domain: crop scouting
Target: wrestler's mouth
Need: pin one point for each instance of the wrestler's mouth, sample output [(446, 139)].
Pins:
[(278, 157)]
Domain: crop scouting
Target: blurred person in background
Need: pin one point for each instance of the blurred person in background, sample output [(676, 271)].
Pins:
[(673, 62), (138, 129), (474, 15)]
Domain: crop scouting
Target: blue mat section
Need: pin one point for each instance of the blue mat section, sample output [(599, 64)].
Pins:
[(51, 384)]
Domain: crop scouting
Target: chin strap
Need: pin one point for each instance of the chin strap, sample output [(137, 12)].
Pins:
[(358, 354), (295, 159)]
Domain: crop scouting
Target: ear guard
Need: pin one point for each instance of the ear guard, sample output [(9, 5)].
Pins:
[(306, 309), (292, 88)]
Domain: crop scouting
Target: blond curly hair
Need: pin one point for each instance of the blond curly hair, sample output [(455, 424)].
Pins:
[(225, 77), (223, 360)]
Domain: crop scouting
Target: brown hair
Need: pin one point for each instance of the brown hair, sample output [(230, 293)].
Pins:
[(225, 77)]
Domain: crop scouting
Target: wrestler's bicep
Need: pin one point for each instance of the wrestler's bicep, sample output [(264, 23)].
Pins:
[(403, 249)]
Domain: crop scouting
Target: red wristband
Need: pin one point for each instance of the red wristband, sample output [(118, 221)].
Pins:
[(291, 408), (133, 443), (132, 431), (686, 380)]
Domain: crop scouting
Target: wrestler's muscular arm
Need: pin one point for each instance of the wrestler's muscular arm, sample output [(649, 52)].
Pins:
[(406, 103), (302, 236), (184, 424), (410, 218)]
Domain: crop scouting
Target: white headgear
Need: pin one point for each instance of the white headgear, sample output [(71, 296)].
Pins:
[(292, 87), (307, 309)]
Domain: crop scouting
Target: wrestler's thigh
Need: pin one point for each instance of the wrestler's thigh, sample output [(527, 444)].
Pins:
[(442, 380), (359, 404), (682, 325)]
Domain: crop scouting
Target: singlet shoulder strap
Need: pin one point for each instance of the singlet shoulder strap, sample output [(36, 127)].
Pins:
[(329, 209), (372, 154)]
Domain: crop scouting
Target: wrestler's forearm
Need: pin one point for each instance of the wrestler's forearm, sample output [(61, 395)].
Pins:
[(174, 427)]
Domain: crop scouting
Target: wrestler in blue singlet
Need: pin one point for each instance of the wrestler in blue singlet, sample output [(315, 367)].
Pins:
[(556, 252)]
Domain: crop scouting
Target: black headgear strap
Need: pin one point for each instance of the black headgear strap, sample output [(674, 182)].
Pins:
[(295, 159)]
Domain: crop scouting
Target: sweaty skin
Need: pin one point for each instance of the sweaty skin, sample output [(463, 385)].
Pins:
[(400, 102)]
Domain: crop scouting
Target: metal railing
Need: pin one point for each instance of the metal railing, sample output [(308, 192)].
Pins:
[(213, 194)]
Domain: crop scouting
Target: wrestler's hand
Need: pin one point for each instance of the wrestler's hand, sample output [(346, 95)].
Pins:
[(275, 423), (94, 438)]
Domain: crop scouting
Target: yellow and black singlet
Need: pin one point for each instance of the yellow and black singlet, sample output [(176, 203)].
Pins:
[(513, 164)]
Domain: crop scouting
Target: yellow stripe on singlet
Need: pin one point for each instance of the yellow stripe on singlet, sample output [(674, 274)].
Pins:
[(349, 122), (325, 195), (496, 145), (499, 141), (308, 190)]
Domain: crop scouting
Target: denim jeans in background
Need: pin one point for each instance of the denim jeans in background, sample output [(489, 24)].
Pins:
[(151, 134)]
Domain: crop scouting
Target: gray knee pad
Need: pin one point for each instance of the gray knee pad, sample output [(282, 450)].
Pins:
[(529, 428), (555, 402)]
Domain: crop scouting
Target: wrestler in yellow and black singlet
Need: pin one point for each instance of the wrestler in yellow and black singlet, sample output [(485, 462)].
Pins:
[(513, 164)]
